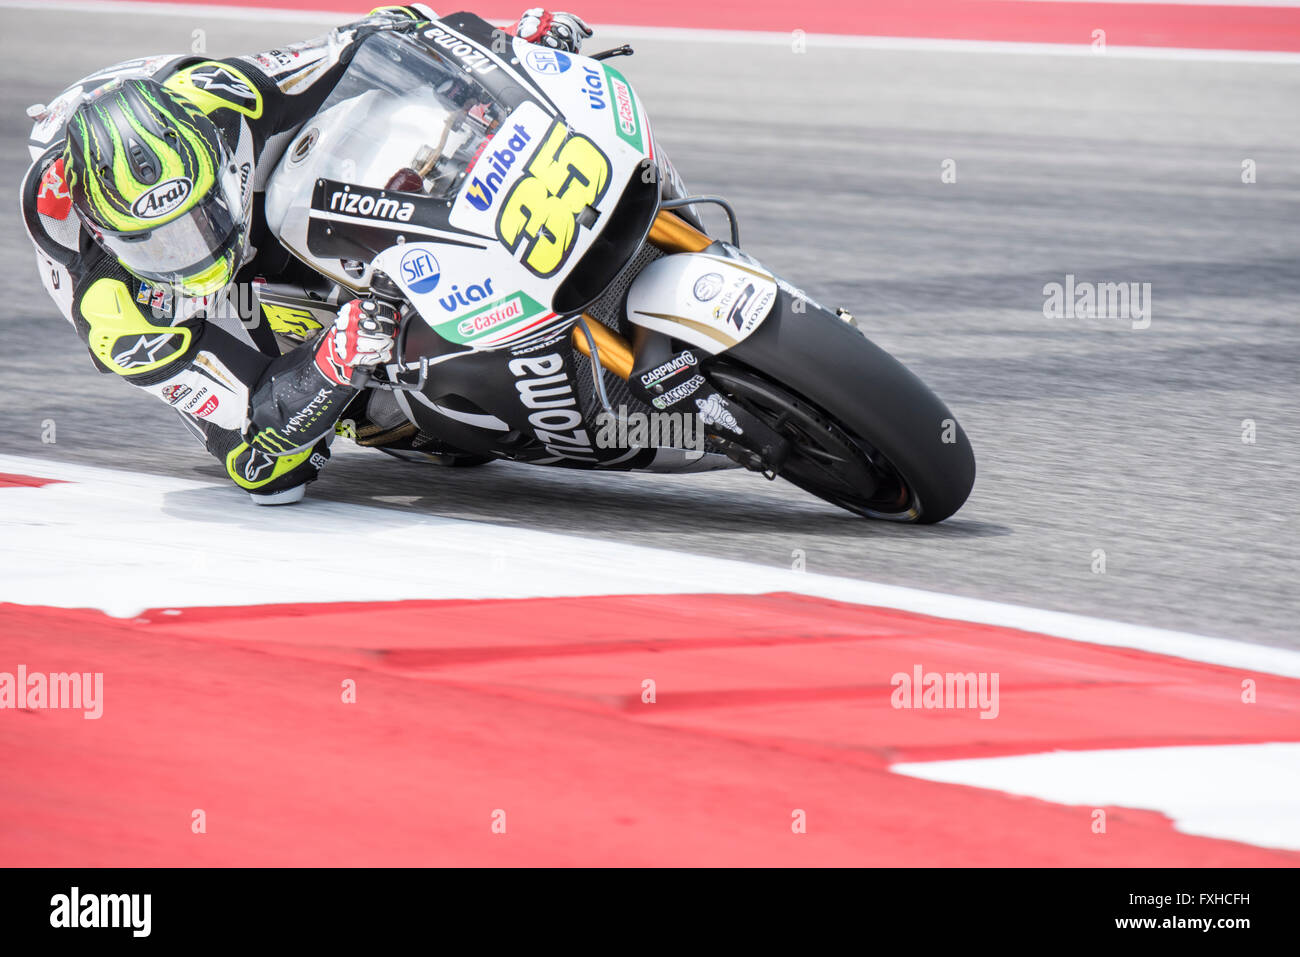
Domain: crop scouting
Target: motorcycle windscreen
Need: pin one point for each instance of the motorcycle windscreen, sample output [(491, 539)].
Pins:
[(400, 120), (405, 108)]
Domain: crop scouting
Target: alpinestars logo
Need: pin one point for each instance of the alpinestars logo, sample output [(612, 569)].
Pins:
[(218, 79), (373, 207)]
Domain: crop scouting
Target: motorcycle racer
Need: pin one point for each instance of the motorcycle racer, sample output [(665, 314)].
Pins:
[(144, 204)]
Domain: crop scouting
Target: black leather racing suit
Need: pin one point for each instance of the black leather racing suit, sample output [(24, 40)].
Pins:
[(267, 417)]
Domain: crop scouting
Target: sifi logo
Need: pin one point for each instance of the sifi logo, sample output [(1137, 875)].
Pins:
[(174, 393), (162, 199), (465, 298), (508, 311), (420, 270), (483, 189), (547, 61)]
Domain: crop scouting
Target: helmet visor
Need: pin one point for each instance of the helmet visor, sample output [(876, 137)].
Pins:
[(198, 252)]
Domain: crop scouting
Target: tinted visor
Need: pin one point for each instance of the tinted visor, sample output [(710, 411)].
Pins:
[(198, 251)]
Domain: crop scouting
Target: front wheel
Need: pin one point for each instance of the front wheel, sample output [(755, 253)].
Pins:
[(865, 433)]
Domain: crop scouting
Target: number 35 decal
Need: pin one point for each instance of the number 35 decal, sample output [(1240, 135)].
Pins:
[(546, 207)]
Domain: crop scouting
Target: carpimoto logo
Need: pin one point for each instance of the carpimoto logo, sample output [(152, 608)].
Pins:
[(75, 909), (669, 368), (164, 198)]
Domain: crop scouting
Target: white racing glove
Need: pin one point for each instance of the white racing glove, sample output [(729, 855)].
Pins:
[(362, 338), (559, 31)]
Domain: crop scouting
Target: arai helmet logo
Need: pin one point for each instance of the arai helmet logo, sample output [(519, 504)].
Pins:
[(420, 270), (162, 199), (708, 286)]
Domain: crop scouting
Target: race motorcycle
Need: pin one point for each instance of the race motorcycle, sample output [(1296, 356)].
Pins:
[(558, 288)]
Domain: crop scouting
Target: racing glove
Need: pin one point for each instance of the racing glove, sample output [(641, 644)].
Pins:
[(559, 31), (362, 338)]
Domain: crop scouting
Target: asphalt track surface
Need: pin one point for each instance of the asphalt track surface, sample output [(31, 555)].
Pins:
[(1090, 435)]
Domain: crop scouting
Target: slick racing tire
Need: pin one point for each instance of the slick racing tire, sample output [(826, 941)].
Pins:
[(866, 434)]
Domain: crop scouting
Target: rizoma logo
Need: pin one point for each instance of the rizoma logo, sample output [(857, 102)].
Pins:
[(483, 190), (420, 270), (508, 311), (624, 110), (162, 199), (374, 207), (469, 56)]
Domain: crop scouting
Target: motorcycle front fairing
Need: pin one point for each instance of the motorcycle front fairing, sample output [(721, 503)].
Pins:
[(499, 195)]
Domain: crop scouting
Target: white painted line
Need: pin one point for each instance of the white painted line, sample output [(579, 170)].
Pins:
[(124, 542), (1238, 792), (620, 33)]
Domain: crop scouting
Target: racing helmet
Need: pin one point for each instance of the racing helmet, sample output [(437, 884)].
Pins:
[(154, 182)]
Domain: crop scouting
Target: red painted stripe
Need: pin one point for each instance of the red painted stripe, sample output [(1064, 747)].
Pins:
[(10, 480), (1125, 24), (764, 704)]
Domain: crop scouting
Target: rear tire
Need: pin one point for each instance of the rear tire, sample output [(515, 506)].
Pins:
[(832, 391)]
